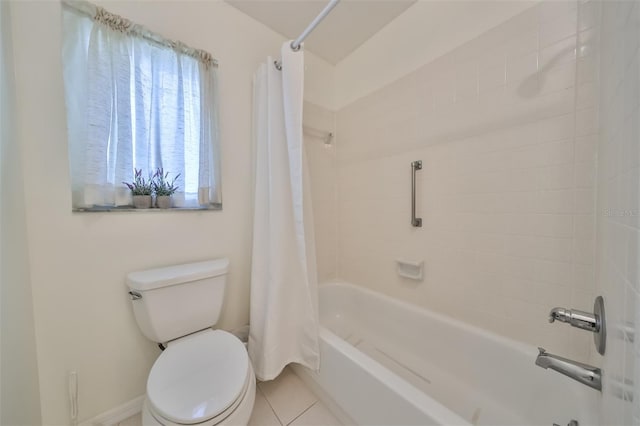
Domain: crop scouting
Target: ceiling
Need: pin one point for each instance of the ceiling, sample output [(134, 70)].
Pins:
[(337, 36)]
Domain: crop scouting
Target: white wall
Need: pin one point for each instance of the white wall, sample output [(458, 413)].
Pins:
[(319, 82), (425, 31), (618, 214), (83, 318), (19, 397), (505, 126)]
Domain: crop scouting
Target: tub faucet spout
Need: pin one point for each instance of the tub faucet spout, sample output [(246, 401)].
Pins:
[(583, 373)]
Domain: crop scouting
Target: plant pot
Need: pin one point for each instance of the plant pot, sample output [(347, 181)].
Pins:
[(142, 201), (164, 201)]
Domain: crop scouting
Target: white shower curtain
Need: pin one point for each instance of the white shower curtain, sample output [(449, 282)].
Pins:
[(284, 306)]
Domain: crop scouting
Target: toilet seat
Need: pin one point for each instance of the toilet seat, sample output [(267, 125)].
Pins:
[(200, 378)]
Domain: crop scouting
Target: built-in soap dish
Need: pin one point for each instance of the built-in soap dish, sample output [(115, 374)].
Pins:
[(412, 270)]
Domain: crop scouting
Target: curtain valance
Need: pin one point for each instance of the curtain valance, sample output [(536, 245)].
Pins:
[(119, 23)]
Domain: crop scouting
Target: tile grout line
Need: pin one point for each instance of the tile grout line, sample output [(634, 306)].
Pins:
[(300, 415), (270, 406)]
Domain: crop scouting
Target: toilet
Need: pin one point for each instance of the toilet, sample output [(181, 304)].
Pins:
[(203, 376)]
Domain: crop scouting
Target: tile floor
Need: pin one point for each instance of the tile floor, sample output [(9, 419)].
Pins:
[(288, 401), (285, 401)]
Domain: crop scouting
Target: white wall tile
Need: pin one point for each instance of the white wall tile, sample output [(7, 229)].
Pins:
[(561, 27), (560, 52), (550, 10), (617, 210), (321, 160), (506, 192), (492, 77), (466, 81)]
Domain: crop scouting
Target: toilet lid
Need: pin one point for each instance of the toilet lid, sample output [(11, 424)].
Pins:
[(198, 377)]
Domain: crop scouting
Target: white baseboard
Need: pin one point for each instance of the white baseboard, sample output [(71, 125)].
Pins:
[(117, 414)]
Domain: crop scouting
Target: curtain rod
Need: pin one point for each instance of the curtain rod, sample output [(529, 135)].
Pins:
[(324, 135), (295, 44), (118, 23)]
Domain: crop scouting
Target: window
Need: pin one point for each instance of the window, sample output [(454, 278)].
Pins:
[(137, 101)]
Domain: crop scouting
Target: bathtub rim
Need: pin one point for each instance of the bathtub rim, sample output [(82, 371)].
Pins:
[(517, 348), (414, 396), (524, 349)]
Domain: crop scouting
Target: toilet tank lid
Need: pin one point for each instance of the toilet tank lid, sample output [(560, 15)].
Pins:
[(176, 274)]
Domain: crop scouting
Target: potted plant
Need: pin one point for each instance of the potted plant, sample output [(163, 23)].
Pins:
[(141, 190), (164, 188)]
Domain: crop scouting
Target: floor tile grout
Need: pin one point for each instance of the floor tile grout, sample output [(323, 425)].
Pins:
[(270, 406), (292, 381), (299, 415)]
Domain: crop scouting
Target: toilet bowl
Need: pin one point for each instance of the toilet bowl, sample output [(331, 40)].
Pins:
[(202, 379), (204, 376)]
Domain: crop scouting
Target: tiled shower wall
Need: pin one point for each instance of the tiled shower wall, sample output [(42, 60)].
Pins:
[(321, 157), (506, 128), (618, 214)]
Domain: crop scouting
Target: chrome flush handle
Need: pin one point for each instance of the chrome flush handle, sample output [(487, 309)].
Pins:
[(135, 295)]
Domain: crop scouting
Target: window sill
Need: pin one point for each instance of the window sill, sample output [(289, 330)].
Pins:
[(128, 209)]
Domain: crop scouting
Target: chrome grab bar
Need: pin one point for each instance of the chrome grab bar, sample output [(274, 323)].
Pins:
[(415, 221)]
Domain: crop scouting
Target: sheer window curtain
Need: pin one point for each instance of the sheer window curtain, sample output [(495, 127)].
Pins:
[(133, 103)]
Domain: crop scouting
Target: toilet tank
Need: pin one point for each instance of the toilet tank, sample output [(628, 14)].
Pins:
[(177, 300)]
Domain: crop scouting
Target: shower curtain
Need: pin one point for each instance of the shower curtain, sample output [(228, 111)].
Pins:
[(284, 306)]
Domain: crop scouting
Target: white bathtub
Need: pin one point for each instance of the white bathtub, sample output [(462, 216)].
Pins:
[(385, 362)]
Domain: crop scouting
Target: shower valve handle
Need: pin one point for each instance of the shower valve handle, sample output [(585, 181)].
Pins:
[(594, 322), (576, 318)]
